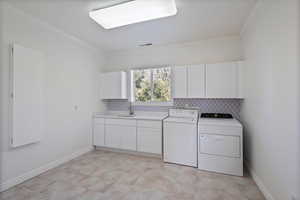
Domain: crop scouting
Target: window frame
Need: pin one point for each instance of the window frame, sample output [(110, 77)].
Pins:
[(149, 103)]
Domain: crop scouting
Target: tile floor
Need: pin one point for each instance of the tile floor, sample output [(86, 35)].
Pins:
[(112, 176)]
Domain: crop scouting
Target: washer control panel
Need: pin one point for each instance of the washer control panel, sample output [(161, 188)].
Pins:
[(187, 113)]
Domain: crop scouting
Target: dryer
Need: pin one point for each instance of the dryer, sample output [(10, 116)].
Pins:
[(220, 146)]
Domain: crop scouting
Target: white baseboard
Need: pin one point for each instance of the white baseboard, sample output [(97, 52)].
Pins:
[(259, 183), (129, 152), (35, 172)]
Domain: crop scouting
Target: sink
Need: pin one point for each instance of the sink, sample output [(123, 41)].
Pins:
[(126, 115)]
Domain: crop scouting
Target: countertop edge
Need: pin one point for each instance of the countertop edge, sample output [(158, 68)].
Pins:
[(154, 118)]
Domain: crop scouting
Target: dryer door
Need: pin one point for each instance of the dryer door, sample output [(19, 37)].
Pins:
[(220, 145)]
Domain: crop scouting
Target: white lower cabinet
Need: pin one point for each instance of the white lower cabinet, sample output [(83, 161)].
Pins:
[(98, 132), (128, 138), (113, 136), (149, 140), (121, 137), (149, 136), (134, 135)]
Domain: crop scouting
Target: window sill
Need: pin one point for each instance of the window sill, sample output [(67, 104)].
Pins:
[(169, 103)]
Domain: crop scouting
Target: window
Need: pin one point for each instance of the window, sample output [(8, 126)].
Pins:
[(151, 85)]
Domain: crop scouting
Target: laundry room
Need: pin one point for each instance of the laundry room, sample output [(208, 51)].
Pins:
[(150, 100)]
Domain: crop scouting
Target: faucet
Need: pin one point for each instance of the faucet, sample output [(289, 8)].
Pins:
[(131, 111)]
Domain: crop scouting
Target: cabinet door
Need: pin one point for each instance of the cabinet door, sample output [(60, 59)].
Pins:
[(179, 82), (149, 140), (113, 136), (98, 134), (110, 86), (196, 81), (241, 79), (128, 137), (221, 80), (113, 85)]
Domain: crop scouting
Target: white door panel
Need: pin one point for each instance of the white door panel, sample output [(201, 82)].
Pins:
[(241, 79), (179, 82), (222, 80), (27, 96), (113, 85), (149, 140), (196, 81), (99, 130), (112, 136), (128, 137)]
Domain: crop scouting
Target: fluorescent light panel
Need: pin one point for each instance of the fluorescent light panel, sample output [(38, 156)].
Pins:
[(133, 12)]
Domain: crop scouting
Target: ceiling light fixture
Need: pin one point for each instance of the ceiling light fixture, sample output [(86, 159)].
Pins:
[(133, 12)]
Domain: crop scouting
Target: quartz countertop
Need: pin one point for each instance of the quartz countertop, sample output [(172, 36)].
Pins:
[(138, 115)]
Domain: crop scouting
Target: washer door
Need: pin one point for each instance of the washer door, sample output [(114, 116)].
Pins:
[(180, 143)]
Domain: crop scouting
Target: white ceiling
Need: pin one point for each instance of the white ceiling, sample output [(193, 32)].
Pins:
[(195, 20)]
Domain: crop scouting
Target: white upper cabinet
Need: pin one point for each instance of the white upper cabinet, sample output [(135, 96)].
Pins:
[(179, 82), (196, 81), (188, 81), (113, 85), (222, 80), (241, 79)]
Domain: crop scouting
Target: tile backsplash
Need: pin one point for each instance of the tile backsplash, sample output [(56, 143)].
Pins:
[(123, 105), (232, 106)]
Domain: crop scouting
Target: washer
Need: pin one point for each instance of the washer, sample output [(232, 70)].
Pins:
[(180, 137), (220, 146)]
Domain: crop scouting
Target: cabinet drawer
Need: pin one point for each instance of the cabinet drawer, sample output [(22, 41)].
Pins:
[(99, 120), (124, 122), (149, 124), (220, 145)]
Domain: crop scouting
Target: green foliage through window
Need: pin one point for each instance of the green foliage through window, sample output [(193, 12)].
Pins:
[(152, 85)]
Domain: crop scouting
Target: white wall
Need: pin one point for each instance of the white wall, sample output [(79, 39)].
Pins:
[(72, 69), (205, 51), (271, 107)]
